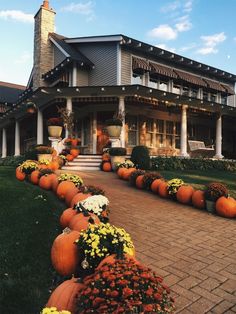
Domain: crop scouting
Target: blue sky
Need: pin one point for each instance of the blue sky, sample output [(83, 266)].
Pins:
[(203, 30)]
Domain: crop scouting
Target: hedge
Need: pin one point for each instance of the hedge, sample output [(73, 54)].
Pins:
[(12, 161)]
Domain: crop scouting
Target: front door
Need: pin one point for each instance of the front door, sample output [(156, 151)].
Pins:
[(102, 138)]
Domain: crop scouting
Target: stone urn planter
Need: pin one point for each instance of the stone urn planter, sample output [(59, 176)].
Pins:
[(42, 157), (115, 160), (54, 130), (114, 130), (117, 155)]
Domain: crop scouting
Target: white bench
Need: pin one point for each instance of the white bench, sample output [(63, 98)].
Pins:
[(198, 149)]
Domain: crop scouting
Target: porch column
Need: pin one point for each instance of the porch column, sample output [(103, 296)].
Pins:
[(40, 127), (183, 134), (74, 75), (122, 109), (4, 143), (69, 108), (94, 127), (17, 138), (218, 154)]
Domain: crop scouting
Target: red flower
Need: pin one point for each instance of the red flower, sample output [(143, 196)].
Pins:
[(114, 293), (148, 308), (127, 292), (112, 284), (157, 297), (106, 274), (123, 282), (145, 275), (112, 277), (149, 292), (97, 301), (96, 291), (87, 291), (135, 278)]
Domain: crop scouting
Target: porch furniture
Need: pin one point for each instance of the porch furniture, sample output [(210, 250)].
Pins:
[(198, 149)]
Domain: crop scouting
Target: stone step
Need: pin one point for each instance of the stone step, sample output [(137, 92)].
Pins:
[(79, 168), (84, 162)]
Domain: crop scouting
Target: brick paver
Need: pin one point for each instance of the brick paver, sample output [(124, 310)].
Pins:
[(194, 251)]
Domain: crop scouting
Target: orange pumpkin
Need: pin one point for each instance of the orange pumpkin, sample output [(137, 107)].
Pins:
[(20, 175), (80, 222), (66, 217), (54, 153), (70, 194), (106, 166), (64, 297), (184, 194), (106, 157), (74, 152), (120, 172), (77, 198), (63, 187), (155, 185), (55, 184), (139, 182), (64, 252), (43, 166), (162, 190), (34, 177), (226, 207), (54, 165), (111, 259), (69, 157), (74, 141), (126, 174), (45, 182), (198, 199)]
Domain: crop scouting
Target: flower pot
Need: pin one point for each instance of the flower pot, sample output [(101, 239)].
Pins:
[(44, 157), (115, 160), (114, 130), (54, 130), (210, 206)]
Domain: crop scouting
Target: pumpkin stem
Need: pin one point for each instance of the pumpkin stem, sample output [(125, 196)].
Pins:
[(66, 230)]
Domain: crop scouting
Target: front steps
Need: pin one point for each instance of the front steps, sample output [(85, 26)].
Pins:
[(84, 163)]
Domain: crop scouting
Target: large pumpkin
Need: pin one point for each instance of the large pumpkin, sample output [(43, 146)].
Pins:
[(69, 157), (80, 222), (74, 152), (226, 207), (162, 190), (64, 252), (55, 184), (63, 187), (20, 175), (66, 216), (77, 198), (184, 194), (45, 182), (126, 174), (106, 166), (64, 297), (155, 185), (120, 172), (54, 165), (139, 182), (198, 199), (34, 177), (70, 194)]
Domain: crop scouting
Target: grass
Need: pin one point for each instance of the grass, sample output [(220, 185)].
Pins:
[(200, 178), (29, 224)]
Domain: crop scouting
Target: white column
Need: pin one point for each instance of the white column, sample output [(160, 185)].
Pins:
[(183, 134), (74, 75), (122, 109), (4, 143), (40, 127), (218, 154), (69, 108), (94, 128), (17, 138)]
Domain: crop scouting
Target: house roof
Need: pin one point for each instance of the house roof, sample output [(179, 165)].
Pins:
[(9, 92)]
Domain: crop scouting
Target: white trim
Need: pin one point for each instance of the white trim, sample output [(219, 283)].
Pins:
[(59, 47), (118, 64), (95, 39)]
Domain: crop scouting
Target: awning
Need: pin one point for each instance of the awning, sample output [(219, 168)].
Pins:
[(162, 70), (228, 89), (140, 65), (214, 85), (193, 79)]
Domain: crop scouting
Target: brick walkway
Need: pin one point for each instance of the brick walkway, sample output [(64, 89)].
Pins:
[(193, 251)]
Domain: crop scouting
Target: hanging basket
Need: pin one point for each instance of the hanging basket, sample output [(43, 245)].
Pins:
[(31, 108)]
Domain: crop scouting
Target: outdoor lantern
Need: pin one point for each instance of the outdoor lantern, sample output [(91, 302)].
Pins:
[(31, 107)]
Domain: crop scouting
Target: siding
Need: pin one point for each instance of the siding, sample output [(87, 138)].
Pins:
[(126, 67), (58, 56), (104, 57), (82, 78)]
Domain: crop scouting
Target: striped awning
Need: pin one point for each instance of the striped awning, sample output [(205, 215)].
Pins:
[(193, 79), (228, 89), (140, 65), (162, 70), (214, 85)]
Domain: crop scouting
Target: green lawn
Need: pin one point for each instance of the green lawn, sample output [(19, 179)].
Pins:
[(199, 178), (28, 223)]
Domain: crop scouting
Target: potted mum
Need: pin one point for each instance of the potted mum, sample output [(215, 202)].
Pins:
[(214, 190), (55, 127), (44, 152)]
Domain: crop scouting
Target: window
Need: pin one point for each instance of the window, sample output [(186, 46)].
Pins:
[(163, 85), (223, 100), (153, 83), (137, 79), (194, 92), (160, 133), (213, 97), (185, 91), (176, 89), (205, 95), (132, 124)]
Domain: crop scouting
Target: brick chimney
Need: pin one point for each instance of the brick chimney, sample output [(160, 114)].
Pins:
[(43, 49)]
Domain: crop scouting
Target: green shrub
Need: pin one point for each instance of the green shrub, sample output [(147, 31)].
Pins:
[(13, 161), (140, 157), (117, 151)]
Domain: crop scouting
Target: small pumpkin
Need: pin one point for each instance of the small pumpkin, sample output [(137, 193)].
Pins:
[(55, 184), (184, 194), (78, 197), (66, 216), (54, 165), (63, 187), (155, 185), (64, 297), (69, 157), (64, 252), (20, 175), (126, 174), (120, 172), (80, 222), (74, 152), (139, 182), (45, 182), (34, 177), (70, 194), (198, 199), (74, 142), (226, 207), (163, 190), (106, 166)]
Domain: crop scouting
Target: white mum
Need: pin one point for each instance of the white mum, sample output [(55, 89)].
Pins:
[(95, 204)]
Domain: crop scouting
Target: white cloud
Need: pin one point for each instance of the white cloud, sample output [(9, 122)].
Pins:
[(164, 32), (172, 6), (207, 50), (188, 6), (81, 8), (210, 43), (183, 24), (188, 47), (18, 16), (24, 58), (165, 47)]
